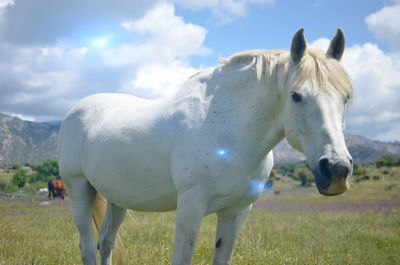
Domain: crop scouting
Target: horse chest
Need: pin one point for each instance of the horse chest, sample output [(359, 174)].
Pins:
[(233, 186), (237, 196)]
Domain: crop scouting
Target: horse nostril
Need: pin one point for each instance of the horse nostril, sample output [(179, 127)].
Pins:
[(345, 172), (324, 167), (351, 161), (340, 170)]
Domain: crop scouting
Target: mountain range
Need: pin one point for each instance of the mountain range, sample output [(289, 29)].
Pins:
[(25, 141), (33, 142), (363, 150)]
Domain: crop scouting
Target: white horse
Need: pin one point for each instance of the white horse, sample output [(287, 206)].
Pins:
[(208, 148)]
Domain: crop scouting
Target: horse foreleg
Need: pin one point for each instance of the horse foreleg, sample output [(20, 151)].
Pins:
[(108, 231), (190, 211), (82, 195), (227, 230)]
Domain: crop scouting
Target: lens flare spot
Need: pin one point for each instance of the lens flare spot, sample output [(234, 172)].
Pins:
[(256, 186), (268, 185), (222, 152)]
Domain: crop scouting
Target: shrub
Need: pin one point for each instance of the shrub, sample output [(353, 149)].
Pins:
[(304, 176), (45, 171), (376, 178), (33, 188), (3, 184), (358, 170), (290, 168), (10, 188), (19, 178), (273, 175)]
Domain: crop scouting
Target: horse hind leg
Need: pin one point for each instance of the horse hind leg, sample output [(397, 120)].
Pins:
[(108, 234), (82, 195)]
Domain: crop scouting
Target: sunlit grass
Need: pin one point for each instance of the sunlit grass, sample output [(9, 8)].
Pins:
[(34, 234)]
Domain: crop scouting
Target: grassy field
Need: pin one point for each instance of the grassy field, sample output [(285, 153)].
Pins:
[(289, 225)]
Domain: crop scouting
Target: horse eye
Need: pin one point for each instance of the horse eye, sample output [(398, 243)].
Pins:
[(296, 97)]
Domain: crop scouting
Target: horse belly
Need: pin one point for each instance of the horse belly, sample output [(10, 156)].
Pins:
[(135, 176), (143, 198), (140, 190)]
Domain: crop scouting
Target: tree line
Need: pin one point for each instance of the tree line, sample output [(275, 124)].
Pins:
[(388, 161), (300, 171), (41, 173)]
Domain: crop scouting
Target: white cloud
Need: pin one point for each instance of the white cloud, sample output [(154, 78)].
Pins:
[(376, 79), (40, 81), (168, 37), (161, 56), (50, 59), (45, 80), (375, 75), (385, 24), (157, 80), (321, 43), (5, 3)]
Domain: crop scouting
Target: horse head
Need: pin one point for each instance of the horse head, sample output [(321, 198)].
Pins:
[(318, 90)]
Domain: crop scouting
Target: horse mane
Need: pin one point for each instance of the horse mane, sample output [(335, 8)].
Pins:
[(274, 66)]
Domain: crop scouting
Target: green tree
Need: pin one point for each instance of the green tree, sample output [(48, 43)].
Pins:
[(387, 161), (358, 170), (19, 178), (305, 176), (46, 171), (289, 168)]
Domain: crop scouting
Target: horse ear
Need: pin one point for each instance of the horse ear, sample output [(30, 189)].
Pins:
[(336, 48), (299, 46)]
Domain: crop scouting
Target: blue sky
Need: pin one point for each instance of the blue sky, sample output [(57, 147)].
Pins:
[(271, 26), (53, 53)]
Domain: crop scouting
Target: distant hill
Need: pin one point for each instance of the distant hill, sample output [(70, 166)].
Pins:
[(362, 150), (24, 141), (366, 150)]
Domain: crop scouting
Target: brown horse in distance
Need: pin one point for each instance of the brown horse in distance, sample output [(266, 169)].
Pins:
[(56, 188)]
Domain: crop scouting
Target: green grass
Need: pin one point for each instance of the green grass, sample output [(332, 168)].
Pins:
[(306, 230), (32, 234)]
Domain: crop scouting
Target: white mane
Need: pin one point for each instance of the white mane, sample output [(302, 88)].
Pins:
[(274, 66)]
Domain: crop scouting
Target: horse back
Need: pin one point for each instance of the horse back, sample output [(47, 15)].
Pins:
[(58, 184), (115, 131)]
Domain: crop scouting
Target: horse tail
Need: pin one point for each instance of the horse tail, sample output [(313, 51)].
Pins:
[(98, 213)]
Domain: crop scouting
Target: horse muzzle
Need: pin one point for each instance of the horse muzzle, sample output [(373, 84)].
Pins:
[(332, 177), (336, 188)]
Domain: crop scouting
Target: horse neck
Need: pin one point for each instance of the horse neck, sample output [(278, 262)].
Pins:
[(253, 103)]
